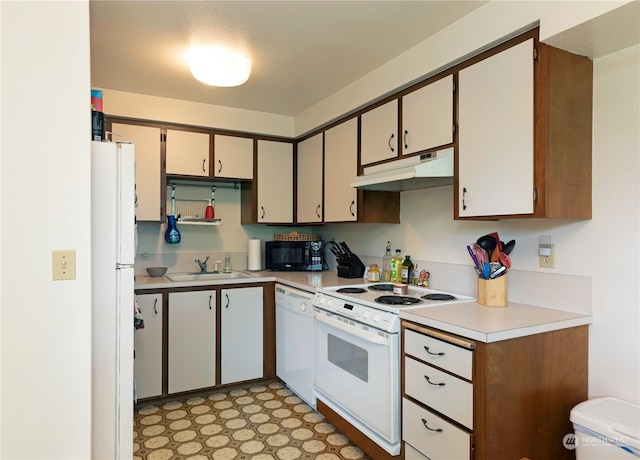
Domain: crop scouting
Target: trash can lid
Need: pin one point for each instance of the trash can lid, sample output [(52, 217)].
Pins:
[(611, 418)]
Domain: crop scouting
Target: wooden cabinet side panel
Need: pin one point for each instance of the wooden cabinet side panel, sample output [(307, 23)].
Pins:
[(378, 207), (565, 115), (524, 391), (269, 331)]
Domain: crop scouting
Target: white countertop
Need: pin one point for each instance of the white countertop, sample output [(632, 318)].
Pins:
[(306, 281), (492, 324), (467, 319)]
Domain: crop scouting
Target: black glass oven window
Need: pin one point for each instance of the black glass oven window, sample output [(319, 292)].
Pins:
[(348, 357)]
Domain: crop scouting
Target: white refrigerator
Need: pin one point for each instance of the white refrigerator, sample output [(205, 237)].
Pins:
[(112, 299)]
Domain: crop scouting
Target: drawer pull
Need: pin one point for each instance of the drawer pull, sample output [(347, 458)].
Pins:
[(441, 384), (426, 348), (426, 425)]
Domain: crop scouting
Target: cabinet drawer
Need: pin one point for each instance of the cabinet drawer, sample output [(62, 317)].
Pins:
[(452, 358), (443, 392), (411, 453), (441, 440)]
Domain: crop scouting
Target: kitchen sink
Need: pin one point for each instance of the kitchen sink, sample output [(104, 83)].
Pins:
[(206, 276)]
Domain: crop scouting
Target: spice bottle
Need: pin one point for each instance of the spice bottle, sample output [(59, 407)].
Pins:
[(374, 273), (407, 269)]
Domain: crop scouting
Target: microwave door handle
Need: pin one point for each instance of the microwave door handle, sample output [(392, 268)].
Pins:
[(371, 338)]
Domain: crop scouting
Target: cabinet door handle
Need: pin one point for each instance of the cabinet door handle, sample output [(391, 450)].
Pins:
[(426, 425), (389, 142), (353, 203), (220, 168), (210, 301), (227, 305), (263, 212), (204, 160), (464, 196), (441, 384), (406, 133), (155, 302), (318, 211), (426, 348)]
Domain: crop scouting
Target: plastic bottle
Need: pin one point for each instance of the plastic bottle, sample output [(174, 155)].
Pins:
[(386, 264), (396, 267), (407, 268)]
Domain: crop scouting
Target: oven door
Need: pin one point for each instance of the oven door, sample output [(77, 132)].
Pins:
[(357, 375)]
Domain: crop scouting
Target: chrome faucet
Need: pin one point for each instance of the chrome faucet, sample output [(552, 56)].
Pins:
[(202, 265)]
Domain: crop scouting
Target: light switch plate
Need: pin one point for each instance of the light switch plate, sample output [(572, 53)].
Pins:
[(64, 264)]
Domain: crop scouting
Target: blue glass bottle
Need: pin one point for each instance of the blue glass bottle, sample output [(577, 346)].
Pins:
[(172, 235)]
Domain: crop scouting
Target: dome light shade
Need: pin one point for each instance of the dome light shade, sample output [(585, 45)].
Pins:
[(217, 66)]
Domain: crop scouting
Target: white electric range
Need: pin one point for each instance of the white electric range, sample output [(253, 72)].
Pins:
[(357, 353)]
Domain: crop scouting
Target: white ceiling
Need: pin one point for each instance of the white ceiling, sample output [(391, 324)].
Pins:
[(302, 51)]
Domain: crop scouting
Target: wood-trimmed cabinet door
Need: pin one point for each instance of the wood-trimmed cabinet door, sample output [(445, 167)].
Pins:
[(340, 166), (232, 157), (192, 340), (148, 347), (427, 116), (309, 186), (379, 133), (495, 139), (275, 182), (241, 329), (187, 153), (146, 141)]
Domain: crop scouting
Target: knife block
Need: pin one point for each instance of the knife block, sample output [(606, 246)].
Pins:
[(351, 267)]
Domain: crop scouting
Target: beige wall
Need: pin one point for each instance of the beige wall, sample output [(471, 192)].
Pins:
[(45, 187)]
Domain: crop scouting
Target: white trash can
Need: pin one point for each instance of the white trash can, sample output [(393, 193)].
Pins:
[(606, 429)]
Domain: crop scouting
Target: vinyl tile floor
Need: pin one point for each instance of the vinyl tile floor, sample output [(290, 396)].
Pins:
[(262, 422)]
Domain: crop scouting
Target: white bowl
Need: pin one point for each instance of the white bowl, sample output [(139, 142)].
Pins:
[(156, 271)]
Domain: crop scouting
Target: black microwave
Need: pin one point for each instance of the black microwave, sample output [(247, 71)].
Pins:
[(294, 255)]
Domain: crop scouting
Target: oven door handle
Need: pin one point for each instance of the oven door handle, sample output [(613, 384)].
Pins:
[(352, 330)]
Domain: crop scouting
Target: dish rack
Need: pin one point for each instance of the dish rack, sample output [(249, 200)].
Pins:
[(192, 212)]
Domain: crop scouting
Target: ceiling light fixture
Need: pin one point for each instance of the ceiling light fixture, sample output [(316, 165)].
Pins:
[(218, 66)]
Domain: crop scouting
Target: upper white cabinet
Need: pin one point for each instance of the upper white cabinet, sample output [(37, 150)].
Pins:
[(340, 165), (496, 134), (241, 326), (232, 157), (146, 140), (187, 153), (379, 133), (275, 182), (192, 340), (524, 140), (148, 347), (309, 184), (427, 116)]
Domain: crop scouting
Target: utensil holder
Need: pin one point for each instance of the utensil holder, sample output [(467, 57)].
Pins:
[(493, 293)]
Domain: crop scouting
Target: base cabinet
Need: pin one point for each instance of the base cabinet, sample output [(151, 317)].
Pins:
[(523, 390), (241, 321), (191, 340), (148, 347)]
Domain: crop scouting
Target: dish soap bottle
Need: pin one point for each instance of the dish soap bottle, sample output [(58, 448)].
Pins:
[(396, 267), (386, 264), (407, 269)]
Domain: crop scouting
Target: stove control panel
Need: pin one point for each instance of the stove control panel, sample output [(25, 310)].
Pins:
[(384, 320)]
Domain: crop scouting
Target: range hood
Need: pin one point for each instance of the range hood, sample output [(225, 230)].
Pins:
[(433, 169)]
